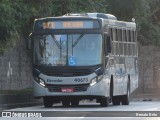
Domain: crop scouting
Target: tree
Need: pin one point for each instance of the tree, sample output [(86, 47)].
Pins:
[(17, 17)]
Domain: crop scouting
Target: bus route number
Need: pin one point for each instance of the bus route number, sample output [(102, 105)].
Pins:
[(81, 80)]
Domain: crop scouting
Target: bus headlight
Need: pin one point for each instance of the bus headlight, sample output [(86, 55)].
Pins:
[(93, 81), (96, 80), (40, 81)]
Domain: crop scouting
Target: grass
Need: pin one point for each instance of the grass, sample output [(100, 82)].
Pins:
[(17, 92)]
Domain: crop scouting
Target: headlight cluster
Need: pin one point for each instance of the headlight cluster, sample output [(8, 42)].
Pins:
[(96, 80), (40, 81)]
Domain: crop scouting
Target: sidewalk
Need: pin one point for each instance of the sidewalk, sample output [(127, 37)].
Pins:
[(14, 101), (145, 97)]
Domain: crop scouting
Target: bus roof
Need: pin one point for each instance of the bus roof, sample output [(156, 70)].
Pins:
[(107, 19)]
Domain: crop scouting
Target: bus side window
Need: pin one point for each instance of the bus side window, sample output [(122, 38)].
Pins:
[(111, 35), (130, 37)]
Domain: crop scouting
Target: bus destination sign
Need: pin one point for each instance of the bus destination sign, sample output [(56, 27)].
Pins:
[(72, 24), (68, 25), (49, 25)]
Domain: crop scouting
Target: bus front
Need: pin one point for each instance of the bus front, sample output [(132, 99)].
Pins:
[(68, 63)]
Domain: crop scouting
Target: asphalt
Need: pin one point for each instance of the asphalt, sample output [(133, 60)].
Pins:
[(20, 101), (17, 101)]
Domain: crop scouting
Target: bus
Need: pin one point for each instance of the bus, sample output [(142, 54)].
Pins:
[(79, 56)]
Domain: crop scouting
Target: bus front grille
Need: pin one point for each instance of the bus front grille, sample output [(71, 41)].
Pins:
[(76, 88), (66, 72)]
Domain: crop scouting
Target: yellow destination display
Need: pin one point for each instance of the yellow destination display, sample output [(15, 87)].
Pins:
[(68, 25), (73, 25), (49, 25)]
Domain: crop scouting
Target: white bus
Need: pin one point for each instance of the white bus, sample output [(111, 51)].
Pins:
[(84, 56)]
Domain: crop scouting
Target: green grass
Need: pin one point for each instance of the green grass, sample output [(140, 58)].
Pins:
[(17, 92)]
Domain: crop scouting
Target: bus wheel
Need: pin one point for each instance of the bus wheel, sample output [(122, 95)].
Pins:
[(104, 102), (74, 103), (116, 100), (125, 98), (66, 103), (47, 102)]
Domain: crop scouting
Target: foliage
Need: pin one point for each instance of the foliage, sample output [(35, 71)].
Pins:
[(17, 16), (13, 17)]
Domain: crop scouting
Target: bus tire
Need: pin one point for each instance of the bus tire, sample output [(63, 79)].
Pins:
[(125, 98), (104, 102), (66, 103), (47, 102), (116, 100), (111, 86), (74, 103)]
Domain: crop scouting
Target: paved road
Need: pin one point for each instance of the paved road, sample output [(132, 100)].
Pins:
[(93, 111)]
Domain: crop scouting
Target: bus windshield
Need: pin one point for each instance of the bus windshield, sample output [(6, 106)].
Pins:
[(67, 50)]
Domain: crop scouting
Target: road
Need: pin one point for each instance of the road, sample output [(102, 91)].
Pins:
[(93, 111)]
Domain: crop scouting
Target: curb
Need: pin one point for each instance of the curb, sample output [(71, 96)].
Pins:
[(14, 101), (18, 105), (145, 97)]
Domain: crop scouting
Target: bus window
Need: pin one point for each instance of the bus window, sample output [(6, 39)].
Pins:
[(134, 36), (114, 34), (119, 35), (125, 49), (114, 48), (111, 32), (134, 51), (129, 49), (117, 49), (121, 48), (130, 36), (127, 36), (124, 36)]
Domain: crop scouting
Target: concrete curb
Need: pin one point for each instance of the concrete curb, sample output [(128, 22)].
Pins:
[(145, 97), (14, 101), (18, 105)]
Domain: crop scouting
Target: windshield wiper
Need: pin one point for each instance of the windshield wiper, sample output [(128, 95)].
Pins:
[(78, 39), (58, 45)]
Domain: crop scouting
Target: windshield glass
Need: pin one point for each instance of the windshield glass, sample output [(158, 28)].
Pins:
[(67, 50)]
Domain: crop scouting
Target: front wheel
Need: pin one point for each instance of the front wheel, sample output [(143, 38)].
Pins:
[(74, 103), (104, 102), (47, 102), (116, 100), (66, 103)]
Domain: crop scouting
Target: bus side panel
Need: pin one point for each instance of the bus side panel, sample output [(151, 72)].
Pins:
[(120, 77), (134, 76), (120, 85)]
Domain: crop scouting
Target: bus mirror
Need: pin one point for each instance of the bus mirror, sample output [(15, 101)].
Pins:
[(29, 41), (107, 44)]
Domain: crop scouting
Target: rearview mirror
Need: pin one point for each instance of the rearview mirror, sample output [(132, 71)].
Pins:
[(30, 41), (107, 43)]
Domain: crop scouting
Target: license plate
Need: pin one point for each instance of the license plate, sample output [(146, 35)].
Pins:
[(68, 90)]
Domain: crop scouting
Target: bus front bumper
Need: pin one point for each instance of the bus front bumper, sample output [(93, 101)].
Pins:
[(99, 89)]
